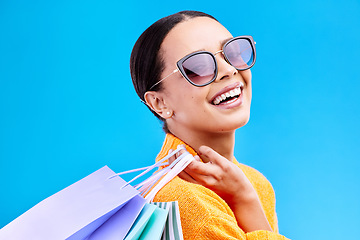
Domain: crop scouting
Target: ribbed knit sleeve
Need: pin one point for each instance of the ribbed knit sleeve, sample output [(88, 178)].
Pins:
[(216, 230), (204, 215), (265, 192), (264, 235)]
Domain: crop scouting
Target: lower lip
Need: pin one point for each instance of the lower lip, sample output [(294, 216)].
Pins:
[(232, 104)]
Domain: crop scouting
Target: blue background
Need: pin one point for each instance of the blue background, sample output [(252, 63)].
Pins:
[(67, 105)]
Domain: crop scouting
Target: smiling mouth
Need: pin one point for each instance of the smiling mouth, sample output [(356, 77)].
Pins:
[(228, 96)]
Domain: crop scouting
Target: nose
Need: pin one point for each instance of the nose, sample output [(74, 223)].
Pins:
[(225, 69)]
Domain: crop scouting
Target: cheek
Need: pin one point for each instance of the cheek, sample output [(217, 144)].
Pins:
[(190, 102), (191, 105), (182, 96), (246, 75), (249, 92)]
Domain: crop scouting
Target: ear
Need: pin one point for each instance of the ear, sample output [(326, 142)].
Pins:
[(157, 103)]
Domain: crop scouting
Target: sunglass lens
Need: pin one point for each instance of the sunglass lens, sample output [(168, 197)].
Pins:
[(239, 53), (199, 68)]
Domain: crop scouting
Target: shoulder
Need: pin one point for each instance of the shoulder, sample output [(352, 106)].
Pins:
[(258, 180)]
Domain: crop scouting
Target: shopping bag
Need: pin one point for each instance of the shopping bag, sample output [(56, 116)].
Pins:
[(100, 206), (149, 187), (140, 223), (162, 224), (76, 211), (149, 225), (172, 230), (155, 227), (118, 225)]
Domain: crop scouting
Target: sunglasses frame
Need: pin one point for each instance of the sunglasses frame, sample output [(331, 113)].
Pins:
[(182, 60)]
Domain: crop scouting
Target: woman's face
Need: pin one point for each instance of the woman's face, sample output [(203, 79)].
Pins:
[(193, 108)]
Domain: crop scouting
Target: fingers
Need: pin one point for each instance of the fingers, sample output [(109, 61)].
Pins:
[(199, 167), (198, 171), (174, 157), (185, 176), (208, 154), (211, 161), (197, 158), (211, 156)]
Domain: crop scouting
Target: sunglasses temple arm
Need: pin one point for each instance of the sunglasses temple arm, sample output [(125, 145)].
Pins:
[(164, 78)]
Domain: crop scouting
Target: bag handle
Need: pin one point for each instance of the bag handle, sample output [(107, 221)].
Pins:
[(150, 186), (177, 168)]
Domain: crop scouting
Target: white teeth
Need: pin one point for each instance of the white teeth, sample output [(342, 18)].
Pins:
[(216, 101), (231, 93)]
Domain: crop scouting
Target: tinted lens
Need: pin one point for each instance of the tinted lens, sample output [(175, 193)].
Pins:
[(199, 68), (239, 53)]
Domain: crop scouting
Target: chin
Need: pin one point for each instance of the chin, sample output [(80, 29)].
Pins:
[(233, 125), (241, 120)]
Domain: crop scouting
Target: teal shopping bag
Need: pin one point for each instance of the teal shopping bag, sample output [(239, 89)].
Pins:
[(149, 225), (172, 229)]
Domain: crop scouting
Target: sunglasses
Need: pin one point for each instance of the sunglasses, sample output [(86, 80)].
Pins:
[(200, 68)]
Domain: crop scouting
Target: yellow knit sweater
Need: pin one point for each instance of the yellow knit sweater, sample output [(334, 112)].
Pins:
[(204, 215)]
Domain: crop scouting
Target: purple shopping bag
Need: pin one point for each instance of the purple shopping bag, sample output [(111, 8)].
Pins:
[(77, 211), (118, 225)]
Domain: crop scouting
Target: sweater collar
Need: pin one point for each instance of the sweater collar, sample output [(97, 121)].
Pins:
[(171, 142)]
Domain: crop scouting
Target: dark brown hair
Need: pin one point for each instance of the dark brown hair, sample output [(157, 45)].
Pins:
[(146, 64)]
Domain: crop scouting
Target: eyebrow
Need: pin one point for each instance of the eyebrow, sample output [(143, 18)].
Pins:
[(222, 42)]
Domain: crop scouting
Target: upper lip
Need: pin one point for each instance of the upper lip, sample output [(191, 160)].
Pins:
[(226, 89)]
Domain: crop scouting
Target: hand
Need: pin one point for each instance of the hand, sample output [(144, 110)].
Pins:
[(230, 183), (219, 175)]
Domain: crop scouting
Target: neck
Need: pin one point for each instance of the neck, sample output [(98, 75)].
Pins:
[(223, 143)]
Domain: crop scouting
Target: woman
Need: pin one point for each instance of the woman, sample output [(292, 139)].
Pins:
[(195, 77)]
